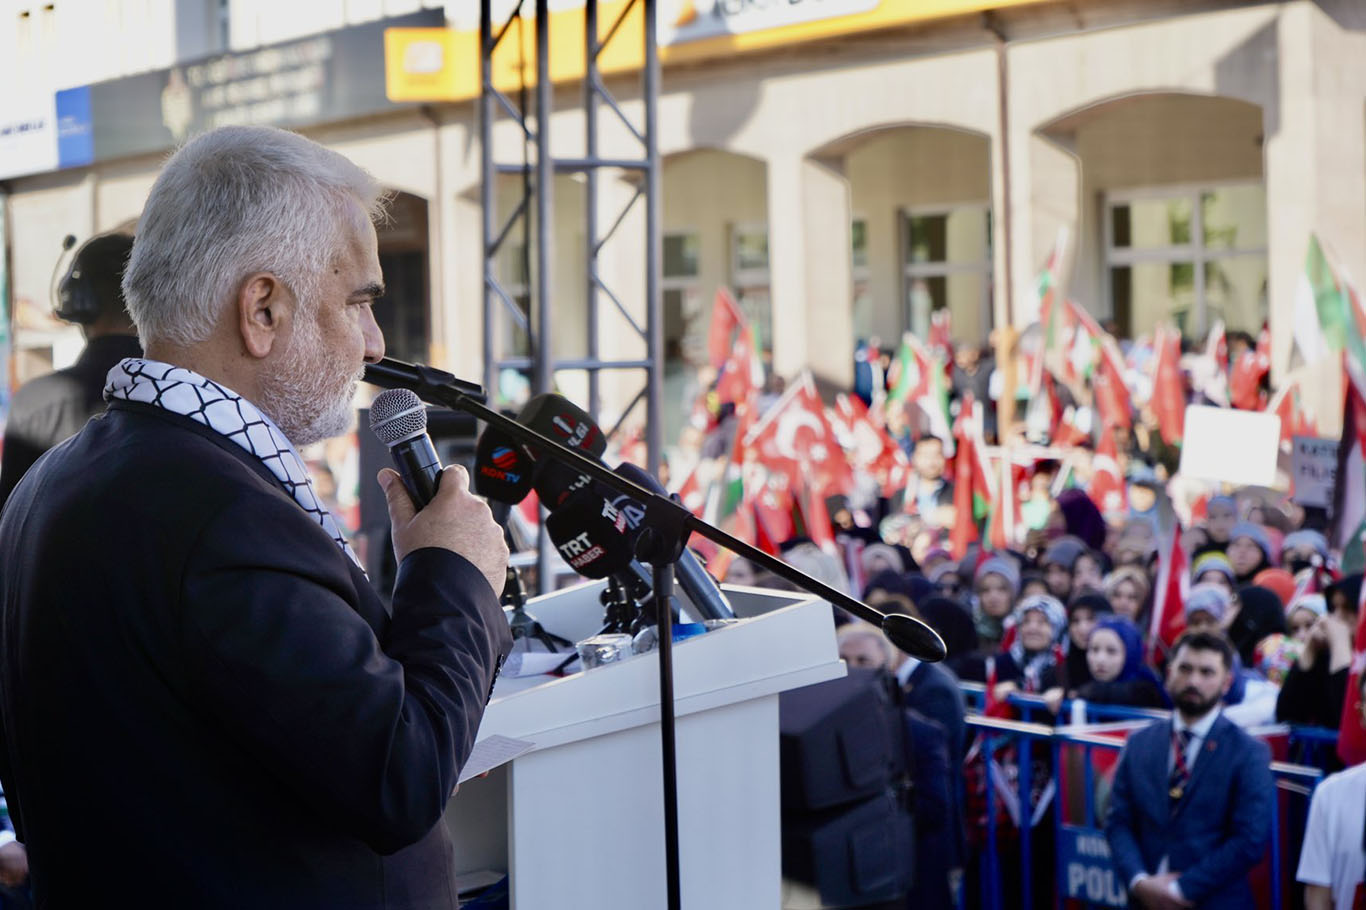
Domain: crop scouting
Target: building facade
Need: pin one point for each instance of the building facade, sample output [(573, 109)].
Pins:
[(847, 174)]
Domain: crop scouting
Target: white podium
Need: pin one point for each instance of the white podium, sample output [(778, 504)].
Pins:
[(578, 822)]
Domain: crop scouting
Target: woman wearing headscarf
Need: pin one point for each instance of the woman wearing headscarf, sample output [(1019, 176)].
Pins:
[(997, 586), (954, 623), (1316, 685), (1033, 662), (1249, 551), (1258, 614), (1119, 676), (1082, 518), (1129, 592), (891, 592), (1083, 613), (1057, 563), (1222, 515)]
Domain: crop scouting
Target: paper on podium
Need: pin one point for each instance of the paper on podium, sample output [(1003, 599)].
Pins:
[(491, 752)]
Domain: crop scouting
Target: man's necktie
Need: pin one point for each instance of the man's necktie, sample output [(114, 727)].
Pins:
[(1181, 773)]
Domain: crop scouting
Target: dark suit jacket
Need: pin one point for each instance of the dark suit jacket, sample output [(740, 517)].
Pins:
[(936, 803), (1219, 829), (933, 692), (203, 698), (55, 407)]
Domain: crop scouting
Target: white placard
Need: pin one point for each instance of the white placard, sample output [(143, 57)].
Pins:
[(1314, 465), (1232, 446)]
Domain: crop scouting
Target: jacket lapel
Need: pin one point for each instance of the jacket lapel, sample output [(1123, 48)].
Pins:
[(1209, 752), (1158, 770)]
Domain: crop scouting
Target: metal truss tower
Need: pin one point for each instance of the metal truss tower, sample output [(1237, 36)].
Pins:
[(537, 320)]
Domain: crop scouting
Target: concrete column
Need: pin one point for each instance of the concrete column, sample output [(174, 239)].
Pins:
[(1315, 178), (786, 264), (828, 271)]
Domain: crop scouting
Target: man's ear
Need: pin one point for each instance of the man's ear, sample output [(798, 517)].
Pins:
[(264, 310)]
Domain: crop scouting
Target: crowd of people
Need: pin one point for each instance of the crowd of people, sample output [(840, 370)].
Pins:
[(1117, 582), (1072, 622)]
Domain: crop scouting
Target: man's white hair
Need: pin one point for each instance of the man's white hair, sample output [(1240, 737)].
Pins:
[(232, 202)]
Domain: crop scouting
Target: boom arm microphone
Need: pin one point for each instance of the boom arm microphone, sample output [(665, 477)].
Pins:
[(427, 382), (398, 418)]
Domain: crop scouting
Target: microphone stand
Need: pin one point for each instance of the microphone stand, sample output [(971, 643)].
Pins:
[(667, 528), (522, 623)]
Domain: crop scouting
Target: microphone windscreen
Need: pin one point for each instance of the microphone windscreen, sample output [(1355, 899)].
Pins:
[(503, 469), (397, 415), (591, 534), (566, 423)]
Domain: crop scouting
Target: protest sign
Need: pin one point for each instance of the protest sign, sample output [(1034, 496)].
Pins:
[(1231, 446)]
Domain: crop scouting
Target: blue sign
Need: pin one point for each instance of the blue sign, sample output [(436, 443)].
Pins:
[(1087, 871), (75, 130)]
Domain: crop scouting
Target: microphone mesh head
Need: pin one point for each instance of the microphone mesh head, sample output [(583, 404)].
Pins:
[(396, 415)]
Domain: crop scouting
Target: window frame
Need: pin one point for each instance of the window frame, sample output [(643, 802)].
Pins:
[(908, 271), (1194, 252)]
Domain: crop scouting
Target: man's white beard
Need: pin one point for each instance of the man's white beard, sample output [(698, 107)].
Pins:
[(310, 397)]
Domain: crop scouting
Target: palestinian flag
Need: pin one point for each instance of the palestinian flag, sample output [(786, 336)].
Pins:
[(1349, 497), (1321, 307), (920, 378), (1288, 405), (1046, 289)]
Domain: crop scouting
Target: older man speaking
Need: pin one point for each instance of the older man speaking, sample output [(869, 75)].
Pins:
[(203, 702)]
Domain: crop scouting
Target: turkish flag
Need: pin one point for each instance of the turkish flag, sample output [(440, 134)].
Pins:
[(1169, 601), (725, 318), (1245, 385), (1107, 483), (1169, 387)]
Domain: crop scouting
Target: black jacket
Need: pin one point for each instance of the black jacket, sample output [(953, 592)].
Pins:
[(201, 691), (55, 407)]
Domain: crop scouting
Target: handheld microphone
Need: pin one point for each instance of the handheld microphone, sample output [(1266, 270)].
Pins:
[(701, 589), (399, 420)]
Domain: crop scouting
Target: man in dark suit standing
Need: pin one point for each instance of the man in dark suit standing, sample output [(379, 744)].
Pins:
[(1190, 813), (932, 692), (190, 655), (54, 407)]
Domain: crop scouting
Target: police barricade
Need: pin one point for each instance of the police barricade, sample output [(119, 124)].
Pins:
[(1061, 822)]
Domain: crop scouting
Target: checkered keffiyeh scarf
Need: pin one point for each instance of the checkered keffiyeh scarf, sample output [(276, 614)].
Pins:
[(188, 394)]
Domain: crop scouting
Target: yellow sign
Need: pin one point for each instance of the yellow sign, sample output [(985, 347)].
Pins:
[(433, 64)]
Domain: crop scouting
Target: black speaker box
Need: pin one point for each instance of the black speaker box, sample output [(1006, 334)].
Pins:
[(854, 855), (840, 741)]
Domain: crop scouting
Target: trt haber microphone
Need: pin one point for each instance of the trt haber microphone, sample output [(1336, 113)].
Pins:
[(399, 420), (503, 468), (566, 423), (591, 534), (692, 578)]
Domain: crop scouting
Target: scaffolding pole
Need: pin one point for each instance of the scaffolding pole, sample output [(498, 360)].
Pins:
[(538, 361)]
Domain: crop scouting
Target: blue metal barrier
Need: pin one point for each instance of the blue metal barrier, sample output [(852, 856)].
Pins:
[(1097, 885)]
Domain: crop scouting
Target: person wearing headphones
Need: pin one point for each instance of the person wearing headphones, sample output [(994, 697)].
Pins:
[(54, 407)]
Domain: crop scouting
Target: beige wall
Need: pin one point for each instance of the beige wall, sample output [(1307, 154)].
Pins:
[(912, 168), (710, 192)]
